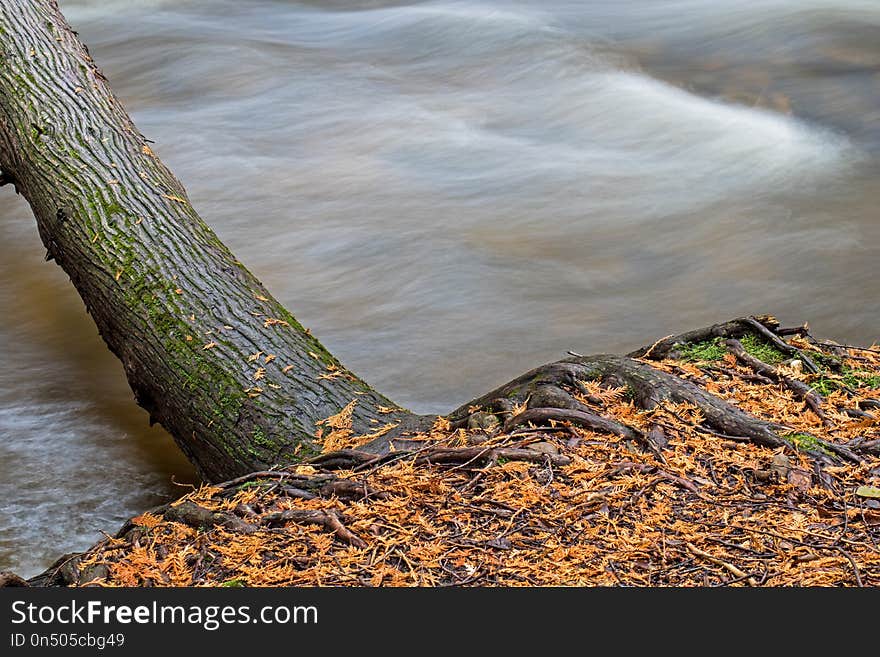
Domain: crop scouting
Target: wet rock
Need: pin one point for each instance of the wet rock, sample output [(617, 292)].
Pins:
[(482, 420), (544, 448)]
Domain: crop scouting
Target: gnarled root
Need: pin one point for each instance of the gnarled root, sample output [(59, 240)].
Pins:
[(801, 390), (649, 387), (547, 391), (8, 579)]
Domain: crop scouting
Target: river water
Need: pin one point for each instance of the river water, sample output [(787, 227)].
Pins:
[(449, 193)]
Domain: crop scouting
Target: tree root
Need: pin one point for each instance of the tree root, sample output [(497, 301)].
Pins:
[(343, 459), (190, 513), (650, 386), (328, 519), (867, 446), (8, 579), (563, 392), (736, 572), (548, 394), (765, 326), (801, 390), (581, 418), (317, 485), (735, 328), (66, 571), (780, 344), (752, 378), (585, 419), (468, 455)]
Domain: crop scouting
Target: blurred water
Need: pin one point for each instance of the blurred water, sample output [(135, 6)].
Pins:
[(449, 193)]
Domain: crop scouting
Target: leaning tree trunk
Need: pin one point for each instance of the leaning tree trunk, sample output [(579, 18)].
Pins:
[(209, 353)]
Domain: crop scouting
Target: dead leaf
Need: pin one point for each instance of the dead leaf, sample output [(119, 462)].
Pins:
[(800, 479)]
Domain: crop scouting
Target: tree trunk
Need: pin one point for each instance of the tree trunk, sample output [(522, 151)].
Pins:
[(207, 350)]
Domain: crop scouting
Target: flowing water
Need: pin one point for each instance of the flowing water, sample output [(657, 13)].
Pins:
[(449, 193)]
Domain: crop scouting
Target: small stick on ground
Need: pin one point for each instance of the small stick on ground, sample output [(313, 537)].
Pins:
[(327, 519), (736, 572)]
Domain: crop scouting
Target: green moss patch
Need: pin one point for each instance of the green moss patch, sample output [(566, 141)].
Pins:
[(824, 386), (707, 350), (826, 361), (761, 349), (849, 378), (859, 379), (804, 442)]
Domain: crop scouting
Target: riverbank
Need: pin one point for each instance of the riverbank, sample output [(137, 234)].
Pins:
[(528, 177), (555, 504)]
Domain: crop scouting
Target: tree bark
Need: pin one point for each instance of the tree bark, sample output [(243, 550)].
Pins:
[(207, 350)]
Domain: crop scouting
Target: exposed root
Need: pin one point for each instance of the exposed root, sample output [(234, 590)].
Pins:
[(548, 464), (316, 485), (650, 469), (198, 517), (799, 388), (648, 385), (506, 512), (739, 574), (327, 519), (558, 392), (477, 455), (344, 459), (586, 419), (651, 387), (542, 416), (764, 326), (779, 343), (8, 579), (735, 328)]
